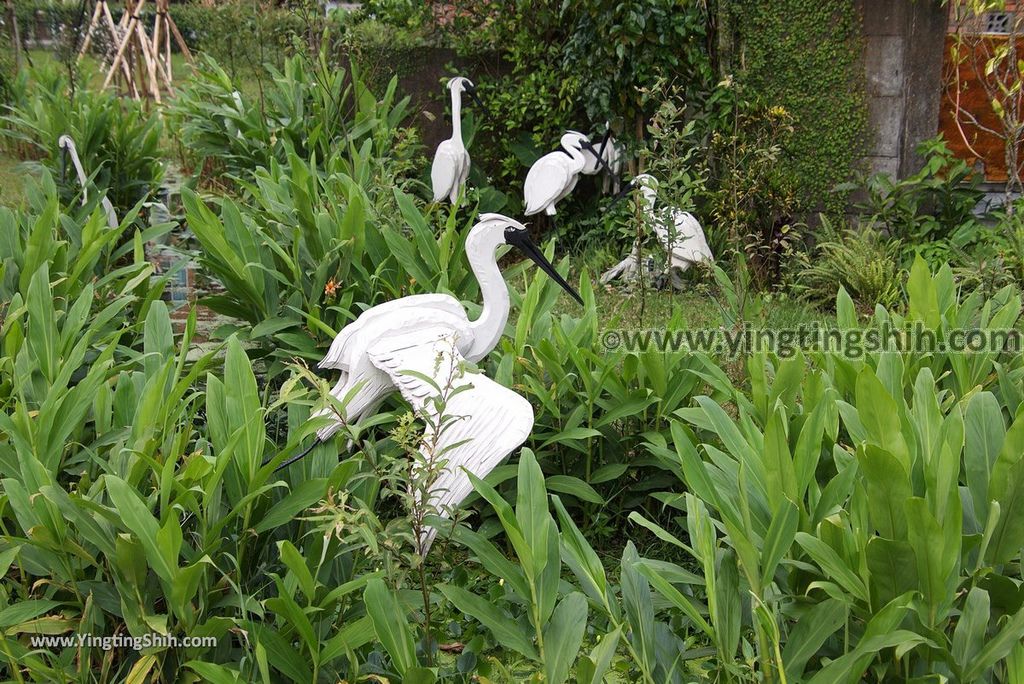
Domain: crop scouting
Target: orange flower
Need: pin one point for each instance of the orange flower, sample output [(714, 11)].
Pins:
[(330, 288)]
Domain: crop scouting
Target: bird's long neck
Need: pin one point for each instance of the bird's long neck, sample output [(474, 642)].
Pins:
[(456, 114), (489, 326), (579, 161)]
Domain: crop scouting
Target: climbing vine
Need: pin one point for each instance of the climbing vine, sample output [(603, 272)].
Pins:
[(803, 55)]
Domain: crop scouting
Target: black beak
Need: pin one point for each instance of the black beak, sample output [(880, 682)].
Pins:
[(471, 91), (293, 459), (626, 189), (519, 239), (604, 143), (587, 145)]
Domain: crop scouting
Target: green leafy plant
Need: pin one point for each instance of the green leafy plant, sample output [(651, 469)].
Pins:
[(853, 495), (859, 260), (310, 109), (117, 141), (935, 205)]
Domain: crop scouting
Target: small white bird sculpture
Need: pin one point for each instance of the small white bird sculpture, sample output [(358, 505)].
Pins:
[(678, 232), (68, 145), (554, 175), (451, 160), (396, 345)]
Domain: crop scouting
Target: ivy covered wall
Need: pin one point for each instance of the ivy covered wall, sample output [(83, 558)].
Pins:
[(805, 56)]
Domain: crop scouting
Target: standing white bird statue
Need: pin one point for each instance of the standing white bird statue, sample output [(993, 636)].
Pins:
[(451, 160), (66, 143), (554, 175), (678, 232), (606, 157), (398, 345)]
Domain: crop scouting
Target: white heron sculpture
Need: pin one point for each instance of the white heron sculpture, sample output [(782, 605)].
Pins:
[(554, 175), (607, 157), (451, 160), (678, 232), (399, 344), (66, 143)]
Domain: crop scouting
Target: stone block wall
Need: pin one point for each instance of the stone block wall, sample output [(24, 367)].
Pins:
[(903, 51)]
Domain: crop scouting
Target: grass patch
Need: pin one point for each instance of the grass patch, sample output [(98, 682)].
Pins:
[(12, 182)]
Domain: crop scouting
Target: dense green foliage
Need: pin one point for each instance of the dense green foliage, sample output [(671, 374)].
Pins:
[(226, 136), (117, 140), (675, 516), (804, 55)]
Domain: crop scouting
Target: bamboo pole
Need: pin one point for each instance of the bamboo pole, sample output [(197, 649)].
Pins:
[(15, 34)]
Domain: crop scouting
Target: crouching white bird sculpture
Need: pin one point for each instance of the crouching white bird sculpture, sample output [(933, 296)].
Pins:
[(678, 232), (451, 160), (420, 343), (66, 143), (554, 175)]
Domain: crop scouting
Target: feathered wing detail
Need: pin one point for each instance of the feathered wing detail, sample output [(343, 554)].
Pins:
[(448, 171), (482, 421), (335, 357), (688, 245), (546, 182)]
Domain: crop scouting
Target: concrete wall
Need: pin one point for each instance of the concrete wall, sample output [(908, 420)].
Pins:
[(903, 50)]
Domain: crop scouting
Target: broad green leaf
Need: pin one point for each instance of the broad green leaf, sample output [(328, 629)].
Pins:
[(779, 539), (563, 636), (507, 632), (810, 633), (832, 565), (137, 518), (390, 624), (969, 634)]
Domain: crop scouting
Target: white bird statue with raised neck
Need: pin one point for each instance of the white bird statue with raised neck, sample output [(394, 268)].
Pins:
[(451, 160), (396, 345), (66, 143)]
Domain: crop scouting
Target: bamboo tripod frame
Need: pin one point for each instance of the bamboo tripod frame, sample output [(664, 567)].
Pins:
[(141, 66)]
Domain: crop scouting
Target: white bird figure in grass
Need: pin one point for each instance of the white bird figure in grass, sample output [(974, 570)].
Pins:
[(451, 160), (66, 143), (678, 232), (554, 175), (401, 344)]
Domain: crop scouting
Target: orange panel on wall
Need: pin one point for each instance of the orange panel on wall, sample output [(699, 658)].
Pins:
[(979, 144)]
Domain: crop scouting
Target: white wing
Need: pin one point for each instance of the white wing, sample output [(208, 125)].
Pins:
[(336, 357), (482, 422), (688, 245), (447, 169), (546, 181)]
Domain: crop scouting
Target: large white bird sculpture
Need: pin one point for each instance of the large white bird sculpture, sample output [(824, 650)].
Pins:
[(451, 160), (396, 345), (678, 232), (554, 175), (66, 143)]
